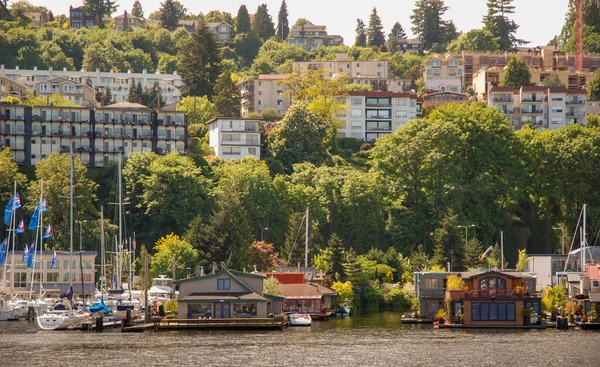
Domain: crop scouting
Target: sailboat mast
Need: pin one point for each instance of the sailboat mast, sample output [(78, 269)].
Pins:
[(306, 241), (583, 239), (71, 214), (14, 230), (102, 250), (38, 230), (120, 246), (41, 239)]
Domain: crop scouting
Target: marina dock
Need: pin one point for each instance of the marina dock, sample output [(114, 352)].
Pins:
[(223, 324)]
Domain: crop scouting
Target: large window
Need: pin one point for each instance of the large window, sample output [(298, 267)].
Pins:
[(302, 305), (196, 310), (357, 101), (432, 305), (431, 283), (223, 284), (492, 283), (488, 311), (244, 309)]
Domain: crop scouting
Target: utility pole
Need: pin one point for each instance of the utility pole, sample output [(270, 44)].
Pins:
[(501, 250), (306, 242), (174, 277), (146, 310)]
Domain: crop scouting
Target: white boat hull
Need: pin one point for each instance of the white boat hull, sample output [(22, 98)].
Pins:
[(300, 320), (61, 320), (7, 315)]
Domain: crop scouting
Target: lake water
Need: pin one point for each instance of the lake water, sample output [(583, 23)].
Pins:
[(374, 340)]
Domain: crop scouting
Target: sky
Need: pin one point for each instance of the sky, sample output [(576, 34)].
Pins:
[(539, 20)]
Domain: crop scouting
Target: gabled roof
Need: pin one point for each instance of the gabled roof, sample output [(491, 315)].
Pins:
[(218, 274), (299, 291), (512, 274), (126, 105), (216, 24), (59, 80)]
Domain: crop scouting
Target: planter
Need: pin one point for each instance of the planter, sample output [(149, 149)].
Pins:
[(441, 322), (526, 320)]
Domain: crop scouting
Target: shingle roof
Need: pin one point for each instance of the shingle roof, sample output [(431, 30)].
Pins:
[(127, 105), (299, 291)]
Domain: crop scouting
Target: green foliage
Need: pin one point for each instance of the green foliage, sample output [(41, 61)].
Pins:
[(593, 121), (522, 260), (167, 64), (9, 174), (428, 24), (344, 290), (137, 10), (594, 88), (516, 74), (271, 287), (497, 22), (247, 46), (455, 283), (396, 35), (449, 246), (198, 109), (242, 24), (100, 8), (473, 254), (171, 307), (361, 34), (591, 19), (553, 298), (12, 100), (408, 66), (171, 12), (553, 81), (227, 97), (375, 36), (199, 62), (262, 23), (283, 25), (172, 247), (476, 40), (299, 137)]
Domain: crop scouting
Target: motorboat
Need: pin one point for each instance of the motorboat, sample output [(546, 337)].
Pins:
[(300, 319), (62, 319), (7, 315)]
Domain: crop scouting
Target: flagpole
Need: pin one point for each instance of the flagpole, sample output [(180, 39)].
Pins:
[(14, 218), (37, 231), (41, 216)]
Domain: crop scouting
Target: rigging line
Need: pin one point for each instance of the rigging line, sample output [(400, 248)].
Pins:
[(296, 240), (593, 223)]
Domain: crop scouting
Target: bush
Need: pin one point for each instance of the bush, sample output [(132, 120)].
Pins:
[(365, 147), (349, 143)]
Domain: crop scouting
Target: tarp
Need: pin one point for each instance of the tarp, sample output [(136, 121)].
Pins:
[(100, 307)]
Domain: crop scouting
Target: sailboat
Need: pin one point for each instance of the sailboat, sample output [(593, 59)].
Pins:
[(63, 319), (8, 313)]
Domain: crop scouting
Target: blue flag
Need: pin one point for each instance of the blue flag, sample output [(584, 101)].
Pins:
[(30, 257), (25, 254), (34, 218), (44, 205), (17, 201), (48, 233), (54, 261), (21, 227), (68, 294), (3, 252), (8, 211)]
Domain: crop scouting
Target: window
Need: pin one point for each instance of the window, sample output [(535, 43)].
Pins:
[(231, 151), (401, 102), (252, 151), (431, 283), (356, 101), (492, 311), (223, 284), (33, 141), (356, 113), (557, 120), (244, 309), (357, 125), (432, 306), (52, 277), (556, 109), (401, 114)]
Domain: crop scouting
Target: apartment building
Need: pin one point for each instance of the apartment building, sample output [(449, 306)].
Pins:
[(372, 115), (411, 45), (492, 77), (9, 87), (38, 19), (549, 108), (97, 136), (234, 137), (264, 92), (54, 279), (117, 82), (223, 31), (311, 36), (436, 99), (444, 74), (79, 18), (128, 21), (379, 74), (78, 93)]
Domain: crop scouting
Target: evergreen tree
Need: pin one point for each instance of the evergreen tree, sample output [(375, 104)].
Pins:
[(361, 34), (108, 97), (335, 254), (516, 74), (396, 35), (449, 244), (419, 259), (473, 254), (242, 24), (553, 81), (152, 97), (137, 9), (199, 62), (227, 97), (262, 23), (171, 12), (353, 269), (450, 32), (500, 25), (594, 88), (138, 89), (427, 22), (375, 35), (283, 25), (99, 8), (131, 91)]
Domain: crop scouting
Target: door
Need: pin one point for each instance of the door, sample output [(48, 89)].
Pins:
[(222, 310)]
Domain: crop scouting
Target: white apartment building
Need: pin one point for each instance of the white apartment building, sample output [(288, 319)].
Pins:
[(312, 36), (371, 115), (444, 73), (55, 280), (550, 108), (117, 82), (78, 93), (264, 92), (377, 73), (234, 137)]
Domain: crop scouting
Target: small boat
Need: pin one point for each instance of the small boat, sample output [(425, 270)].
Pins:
[(300, 319), (62, 319), (7, 315)]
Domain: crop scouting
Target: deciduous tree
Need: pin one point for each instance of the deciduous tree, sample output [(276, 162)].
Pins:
[(172, 247), (516, 74)]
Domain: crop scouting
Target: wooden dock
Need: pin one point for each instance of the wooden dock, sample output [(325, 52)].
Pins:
[(223, 324), (416, 321), (499, 327), (138, 328), (322, 316)]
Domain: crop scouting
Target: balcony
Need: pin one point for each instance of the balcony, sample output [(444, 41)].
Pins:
[(502, 99), (575, 113), (574, 101), (379, 105), (530, 112), (532, 100)]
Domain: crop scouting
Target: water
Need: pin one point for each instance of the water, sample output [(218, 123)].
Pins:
[(375, 340)]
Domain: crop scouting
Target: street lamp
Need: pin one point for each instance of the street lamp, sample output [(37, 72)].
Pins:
[(80, 232), (562, 230), (467, 232), (262, 235)]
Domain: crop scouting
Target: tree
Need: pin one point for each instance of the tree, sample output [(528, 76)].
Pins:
[(553, 81), (262, 255), (242, 24), (361, 34), (247, 46), (199, 109), (375, 35), (427, 22), (152, 97), (335, 257), (449, 246), (271, 287), (55, 99), (12, 100), (227, 97), (396, 35), (516, 74), (171, 12), (476, 40), (131, 93), (137, 10), (591, 19), (302, 21), (283, 26), (594, 88), (199, 62), (497, 22), (100, 8), (419, 259), (299, 137), (172, 248), (9, 174), (262, 23), (522, 260), (167, 64), (473, 254)]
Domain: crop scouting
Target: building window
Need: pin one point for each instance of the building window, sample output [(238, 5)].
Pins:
[(356, 101), (492, 311), (252, 151), (356, 113), (223, 284), (432, 306), (431, 283), (52, 277), (401, 114), (401, 102)]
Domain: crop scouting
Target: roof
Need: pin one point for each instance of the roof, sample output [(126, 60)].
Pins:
[(231, 118), (215, 25), (324, 290), (231, 273), (59, 80), (567, 90), (446, 92), (365, 93), (502, 89), (413, 41), (218, 297), (512, 274), (272, 76), (170, 107), (533, 89), (127, 105), (299, 291)]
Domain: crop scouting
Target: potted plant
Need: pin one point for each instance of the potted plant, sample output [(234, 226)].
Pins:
[(440, 316), (527, 311), (520, 290)]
